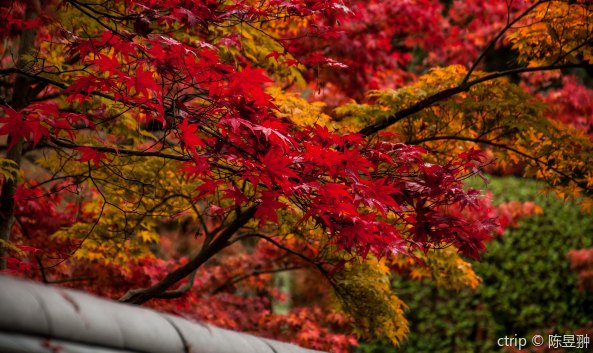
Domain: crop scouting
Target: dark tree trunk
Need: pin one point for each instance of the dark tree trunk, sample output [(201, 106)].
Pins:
[(19, 100)]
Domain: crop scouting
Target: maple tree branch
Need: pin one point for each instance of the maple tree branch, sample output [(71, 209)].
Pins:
[(105, 14), (38, 77), (140, 296), (79, 7), (319, 266), (181, 290), (497, 145), (41, 269), (47, 97), (449, 92), (70, 145), (138, 153), (234, 280), (497, 38), (415, 108), (520, 70), (208, 235), (25, 232)]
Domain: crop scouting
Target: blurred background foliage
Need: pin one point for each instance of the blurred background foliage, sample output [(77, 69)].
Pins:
[(527, 285)]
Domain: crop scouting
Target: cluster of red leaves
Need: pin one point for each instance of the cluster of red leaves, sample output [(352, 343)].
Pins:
[(365, 43), (572, 104), (330, 177), (40, 212), (506, 215), (34, 122), (385, 43), (14, 21), (569, 99), (470, 25), (509, 213), (581, 261)]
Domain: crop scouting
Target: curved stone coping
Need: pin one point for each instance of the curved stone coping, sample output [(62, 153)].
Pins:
[(35, 316)]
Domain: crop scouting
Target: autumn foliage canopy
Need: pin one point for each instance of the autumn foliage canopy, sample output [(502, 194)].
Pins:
[(187, 153)]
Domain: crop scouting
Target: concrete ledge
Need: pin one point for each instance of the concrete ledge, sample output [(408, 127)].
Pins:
[(37, 318)]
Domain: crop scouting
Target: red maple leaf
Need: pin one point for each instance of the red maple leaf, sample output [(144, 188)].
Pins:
[(268, 206), (17, 126), (189, 137), (278, 167), (249, 83), (144, 82), (90, 154)]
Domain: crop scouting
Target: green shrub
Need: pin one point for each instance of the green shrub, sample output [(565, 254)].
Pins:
[(527, 287)]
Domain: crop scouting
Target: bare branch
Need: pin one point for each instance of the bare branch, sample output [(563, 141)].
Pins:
[(498, 36), (234, 280), (122, 151), (317, 264), (66, 144), (140, 296), (179, 292)]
